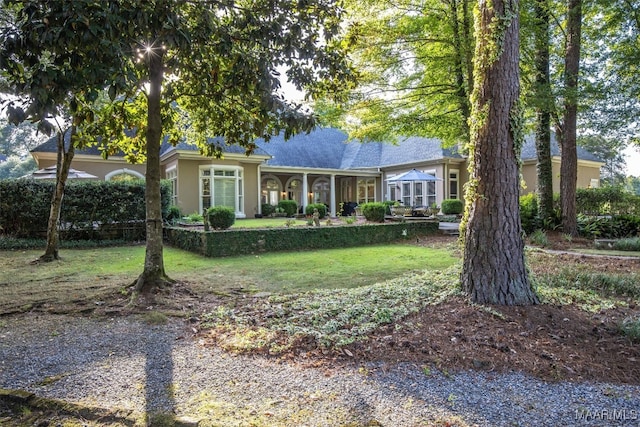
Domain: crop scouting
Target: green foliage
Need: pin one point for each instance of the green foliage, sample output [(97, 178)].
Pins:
[(14, 167), (630, 244), (268, 209), (254, 241), (221, 217), (529, 212), (322, 209), (90, 210), (289, 207), (607, 227), (173, 214), (452, 207), (388, 204), (590, 290), (415, 62), (332, 318), (374, 211), (12, 243), (606, 201), (539, 238), (631, 327)]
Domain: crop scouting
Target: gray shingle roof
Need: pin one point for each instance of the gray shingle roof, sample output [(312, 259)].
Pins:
[(328, 148), (529, 150)]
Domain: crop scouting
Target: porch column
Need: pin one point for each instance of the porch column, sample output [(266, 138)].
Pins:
[(333, 196), (259, 207), (305, 193)]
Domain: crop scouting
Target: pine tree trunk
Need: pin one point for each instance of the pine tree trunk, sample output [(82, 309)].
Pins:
[(63, 164), (543, 112), (153, 275), (569, 159), (494, 270)]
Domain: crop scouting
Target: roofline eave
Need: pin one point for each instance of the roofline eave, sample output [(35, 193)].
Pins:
[(318, 171)]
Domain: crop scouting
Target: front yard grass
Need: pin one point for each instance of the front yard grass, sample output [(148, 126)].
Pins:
[(89, 276)]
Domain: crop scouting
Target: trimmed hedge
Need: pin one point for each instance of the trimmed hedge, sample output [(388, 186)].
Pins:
[(253, 241), (452, 207), (221, 217), (322, 209), (289, 207), (374, 211), (90, 209)]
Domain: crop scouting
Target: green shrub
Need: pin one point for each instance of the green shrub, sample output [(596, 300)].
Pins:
[(374, 211), (221, 217), (605, 227), (267, 209), (322, 209), (539, 238), (629, 244), (173, 214), (255, 241), (388, 204), (88, 207), (610, 200), (631, 328), (452, 207), (289, 207), (529, 212)]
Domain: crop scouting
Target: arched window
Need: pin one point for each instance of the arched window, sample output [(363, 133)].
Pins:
[(321, 191), (270, 190), (122, 175), (294, 190)]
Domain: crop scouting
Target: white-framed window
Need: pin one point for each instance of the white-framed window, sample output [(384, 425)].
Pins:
[(294, 190), (123, 175), (222, 186), (172, 176), (366, 190), (271, 189), (346, 189), (406, 194), (413, 193), (454, 186), (321, 190)]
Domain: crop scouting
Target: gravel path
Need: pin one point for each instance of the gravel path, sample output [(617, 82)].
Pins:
[(121, 363)]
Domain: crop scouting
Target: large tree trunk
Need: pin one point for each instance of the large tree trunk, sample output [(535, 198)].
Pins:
[(153, 276), (494, 270), (63, 164), (569, 158), (543, 112)]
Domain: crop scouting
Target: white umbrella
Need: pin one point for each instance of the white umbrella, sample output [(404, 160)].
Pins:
[(414, 175), (50, 173)]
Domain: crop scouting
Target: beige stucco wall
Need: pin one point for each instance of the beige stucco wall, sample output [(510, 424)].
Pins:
[(587, 171), (100, 168), (189, 184)]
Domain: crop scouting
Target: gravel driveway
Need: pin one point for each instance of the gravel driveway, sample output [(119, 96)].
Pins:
[(122, 363)]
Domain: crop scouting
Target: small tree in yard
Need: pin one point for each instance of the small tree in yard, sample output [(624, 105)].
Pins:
[(215, 63), (56, 73)]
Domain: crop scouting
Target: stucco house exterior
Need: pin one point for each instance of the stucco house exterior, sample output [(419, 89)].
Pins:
[(323, 166)]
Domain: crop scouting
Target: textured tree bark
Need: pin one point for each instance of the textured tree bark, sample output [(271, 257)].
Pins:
[(63, 164), (544, 168), (569, 155), (493, 266), (153, 275)]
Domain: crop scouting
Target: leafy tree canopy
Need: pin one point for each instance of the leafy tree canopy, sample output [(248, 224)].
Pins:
[(416, 72)]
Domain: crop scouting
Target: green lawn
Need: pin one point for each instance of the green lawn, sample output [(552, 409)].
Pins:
[(88, 274)]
